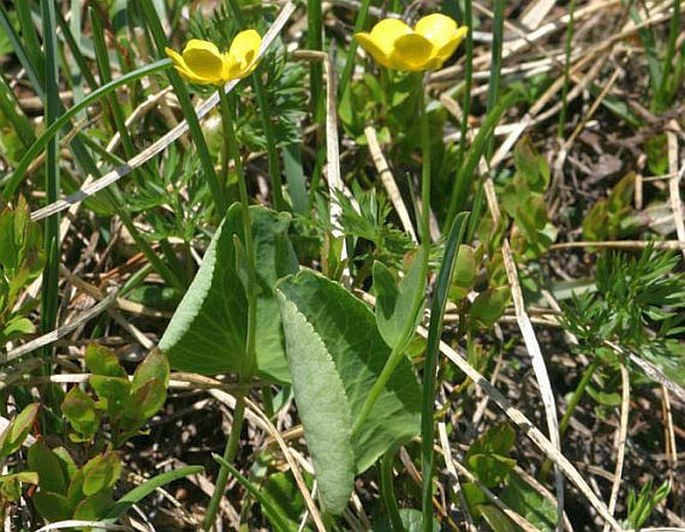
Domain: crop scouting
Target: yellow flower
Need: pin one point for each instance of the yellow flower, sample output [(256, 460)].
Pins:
[(395, 45), (202, 63)]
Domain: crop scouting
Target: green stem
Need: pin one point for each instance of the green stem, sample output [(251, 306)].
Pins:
[(468, 81), (577, 396), (662, 97), (425, 172), (230, 452), (251, 289), (271, 145), (417, 305), (315, 42), (495, 65), (352, 50), (265, 111), (388, 491), (572, 404), (392, 362), (217, 188)]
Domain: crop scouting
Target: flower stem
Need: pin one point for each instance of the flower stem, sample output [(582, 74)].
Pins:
[(425, 171), (249, 369), (230, 452), (265, 111), (419, 297), (392, 362), (250, 366), (359, 25)]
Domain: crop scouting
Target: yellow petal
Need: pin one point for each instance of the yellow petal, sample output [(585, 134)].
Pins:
[(437, 28), (444, 35), (412, 52), (379, 55), (241, 59), (182, 68), (204, 60), (446, 51), (380, 43)]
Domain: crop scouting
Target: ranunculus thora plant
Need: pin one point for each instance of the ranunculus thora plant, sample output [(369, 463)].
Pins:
[(201, 61), (395, 45)]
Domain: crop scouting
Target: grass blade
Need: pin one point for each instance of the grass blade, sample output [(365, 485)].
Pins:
[(454, 239), (50, 297), (61, 122)]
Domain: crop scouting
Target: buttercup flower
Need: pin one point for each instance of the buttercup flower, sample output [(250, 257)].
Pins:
[(395, 45), (202, 63)]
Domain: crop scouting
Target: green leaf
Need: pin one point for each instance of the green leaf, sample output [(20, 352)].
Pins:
[(16, 432), (79, 408), (207, 332), (487, 457), (69, 467), (285, 501), (496, 518), (395, 305), (527, 501), (464, 275), (348, 330), (489, 306), (146, 488), (531, 166), (10, 485), (154, 367), (113, 392), (16, 327), (101, 473), (101, 360), (322, 406), (49, 468), (51, 506), (412, 521), (94, 507)]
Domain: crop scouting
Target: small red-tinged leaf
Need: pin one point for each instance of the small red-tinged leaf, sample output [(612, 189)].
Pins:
[(80, 410), (101, 473), (103, 361), (10, 485), (155, 366), (144, 403), (17, 431)]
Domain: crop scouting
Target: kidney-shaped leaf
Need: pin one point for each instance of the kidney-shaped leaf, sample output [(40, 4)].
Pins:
[(348, 330), (207, 332)]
